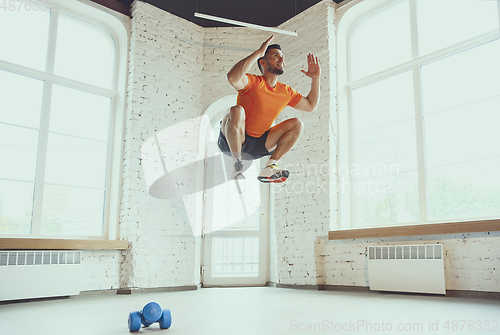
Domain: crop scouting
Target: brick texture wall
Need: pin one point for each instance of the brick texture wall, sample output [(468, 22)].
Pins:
[(302, 205), (471, 261), (165, 88)]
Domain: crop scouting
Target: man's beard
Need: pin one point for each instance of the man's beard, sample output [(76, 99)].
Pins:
[(275, 70)]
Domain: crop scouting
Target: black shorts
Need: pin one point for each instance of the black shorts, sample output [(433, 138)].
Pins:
[(253, 148)]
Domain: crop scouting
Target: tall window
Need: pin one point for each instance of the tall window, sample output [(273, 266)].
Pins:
[(58, 94), (235, 214), (423, 106)]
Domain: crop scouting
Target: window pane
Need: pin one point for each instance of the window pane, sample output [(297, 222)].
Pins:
[(235, 257), (460, 79), (384, 126), (72, 211), (464, 191), (464, 133), (381, 41), (387, 200), (18, 152), (379, 151), (76, 162), (20, 99), (446, 22), (24, 34), (16, 207), (228, 210), (80, 114), (84, 52), (384, 102)]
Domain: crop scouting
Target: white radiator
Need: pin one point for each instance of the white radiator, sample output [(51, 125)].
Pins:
[(39, 274), (407, 268)]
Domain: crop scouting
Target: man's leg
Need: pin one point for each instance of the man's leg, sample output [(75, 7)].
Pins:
[(233, 128), (282, 138)]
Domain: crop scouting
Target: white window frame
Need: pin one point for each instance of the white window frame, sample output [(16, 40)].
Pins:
[(118, 26), (348, 17)]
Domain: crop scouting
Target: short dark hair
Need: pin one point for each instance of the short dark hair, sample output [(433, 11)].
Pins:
[(272, 46)]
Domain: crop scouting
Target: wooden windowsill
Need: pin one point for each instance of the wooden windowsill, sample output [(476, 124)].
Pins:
[(56, 244), (414, 230)]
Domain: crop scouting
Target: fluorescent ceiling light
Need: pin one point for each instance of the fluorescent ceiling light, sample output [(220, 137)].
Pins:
[(244, 24)]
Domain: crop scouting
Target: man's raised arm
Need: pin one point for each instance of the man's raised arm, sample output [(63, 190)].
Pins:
[(309, 103), (236, 76)]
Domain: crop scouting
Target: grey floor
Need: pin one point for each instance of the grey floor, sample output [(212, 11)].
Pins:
[(263, 310)]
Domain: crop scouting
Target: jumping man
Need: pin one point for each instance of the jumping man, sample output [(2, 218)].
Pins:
[(246, 131)]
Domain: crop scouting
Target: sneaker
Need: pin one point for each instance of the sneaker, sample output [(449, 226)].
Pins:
[(271, 174), (238, 168)]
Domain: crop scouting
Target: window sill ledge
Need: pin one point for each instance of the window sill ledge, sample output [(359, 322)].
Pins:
[(60, 244), (414, 230)]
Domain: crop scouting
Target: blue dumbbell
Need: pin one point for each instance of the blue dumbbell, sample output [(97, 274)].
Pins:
[(150, 314)]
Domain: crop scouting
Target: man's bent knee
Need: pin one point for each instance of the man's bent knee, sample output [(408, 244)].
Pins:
[(297, 124), (234, 121), (237, 114)]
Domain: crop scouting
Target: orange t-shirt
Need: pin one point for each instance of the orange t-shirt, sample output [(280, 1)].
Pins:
[(263, 103)]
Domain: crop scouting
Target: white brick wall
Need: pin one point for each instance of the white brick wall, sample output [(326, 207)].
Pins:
[(472, 261), (165, 86), (101, 270), (302, 205)]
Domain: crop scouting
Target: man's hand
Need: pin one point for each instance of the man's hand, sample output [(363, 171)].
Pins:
[(310, 103), (263, 47), (236, 76), (313, 69)]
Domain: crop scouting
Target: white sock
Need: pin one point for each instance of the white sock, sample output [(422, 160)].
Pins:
[(271, 162)]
